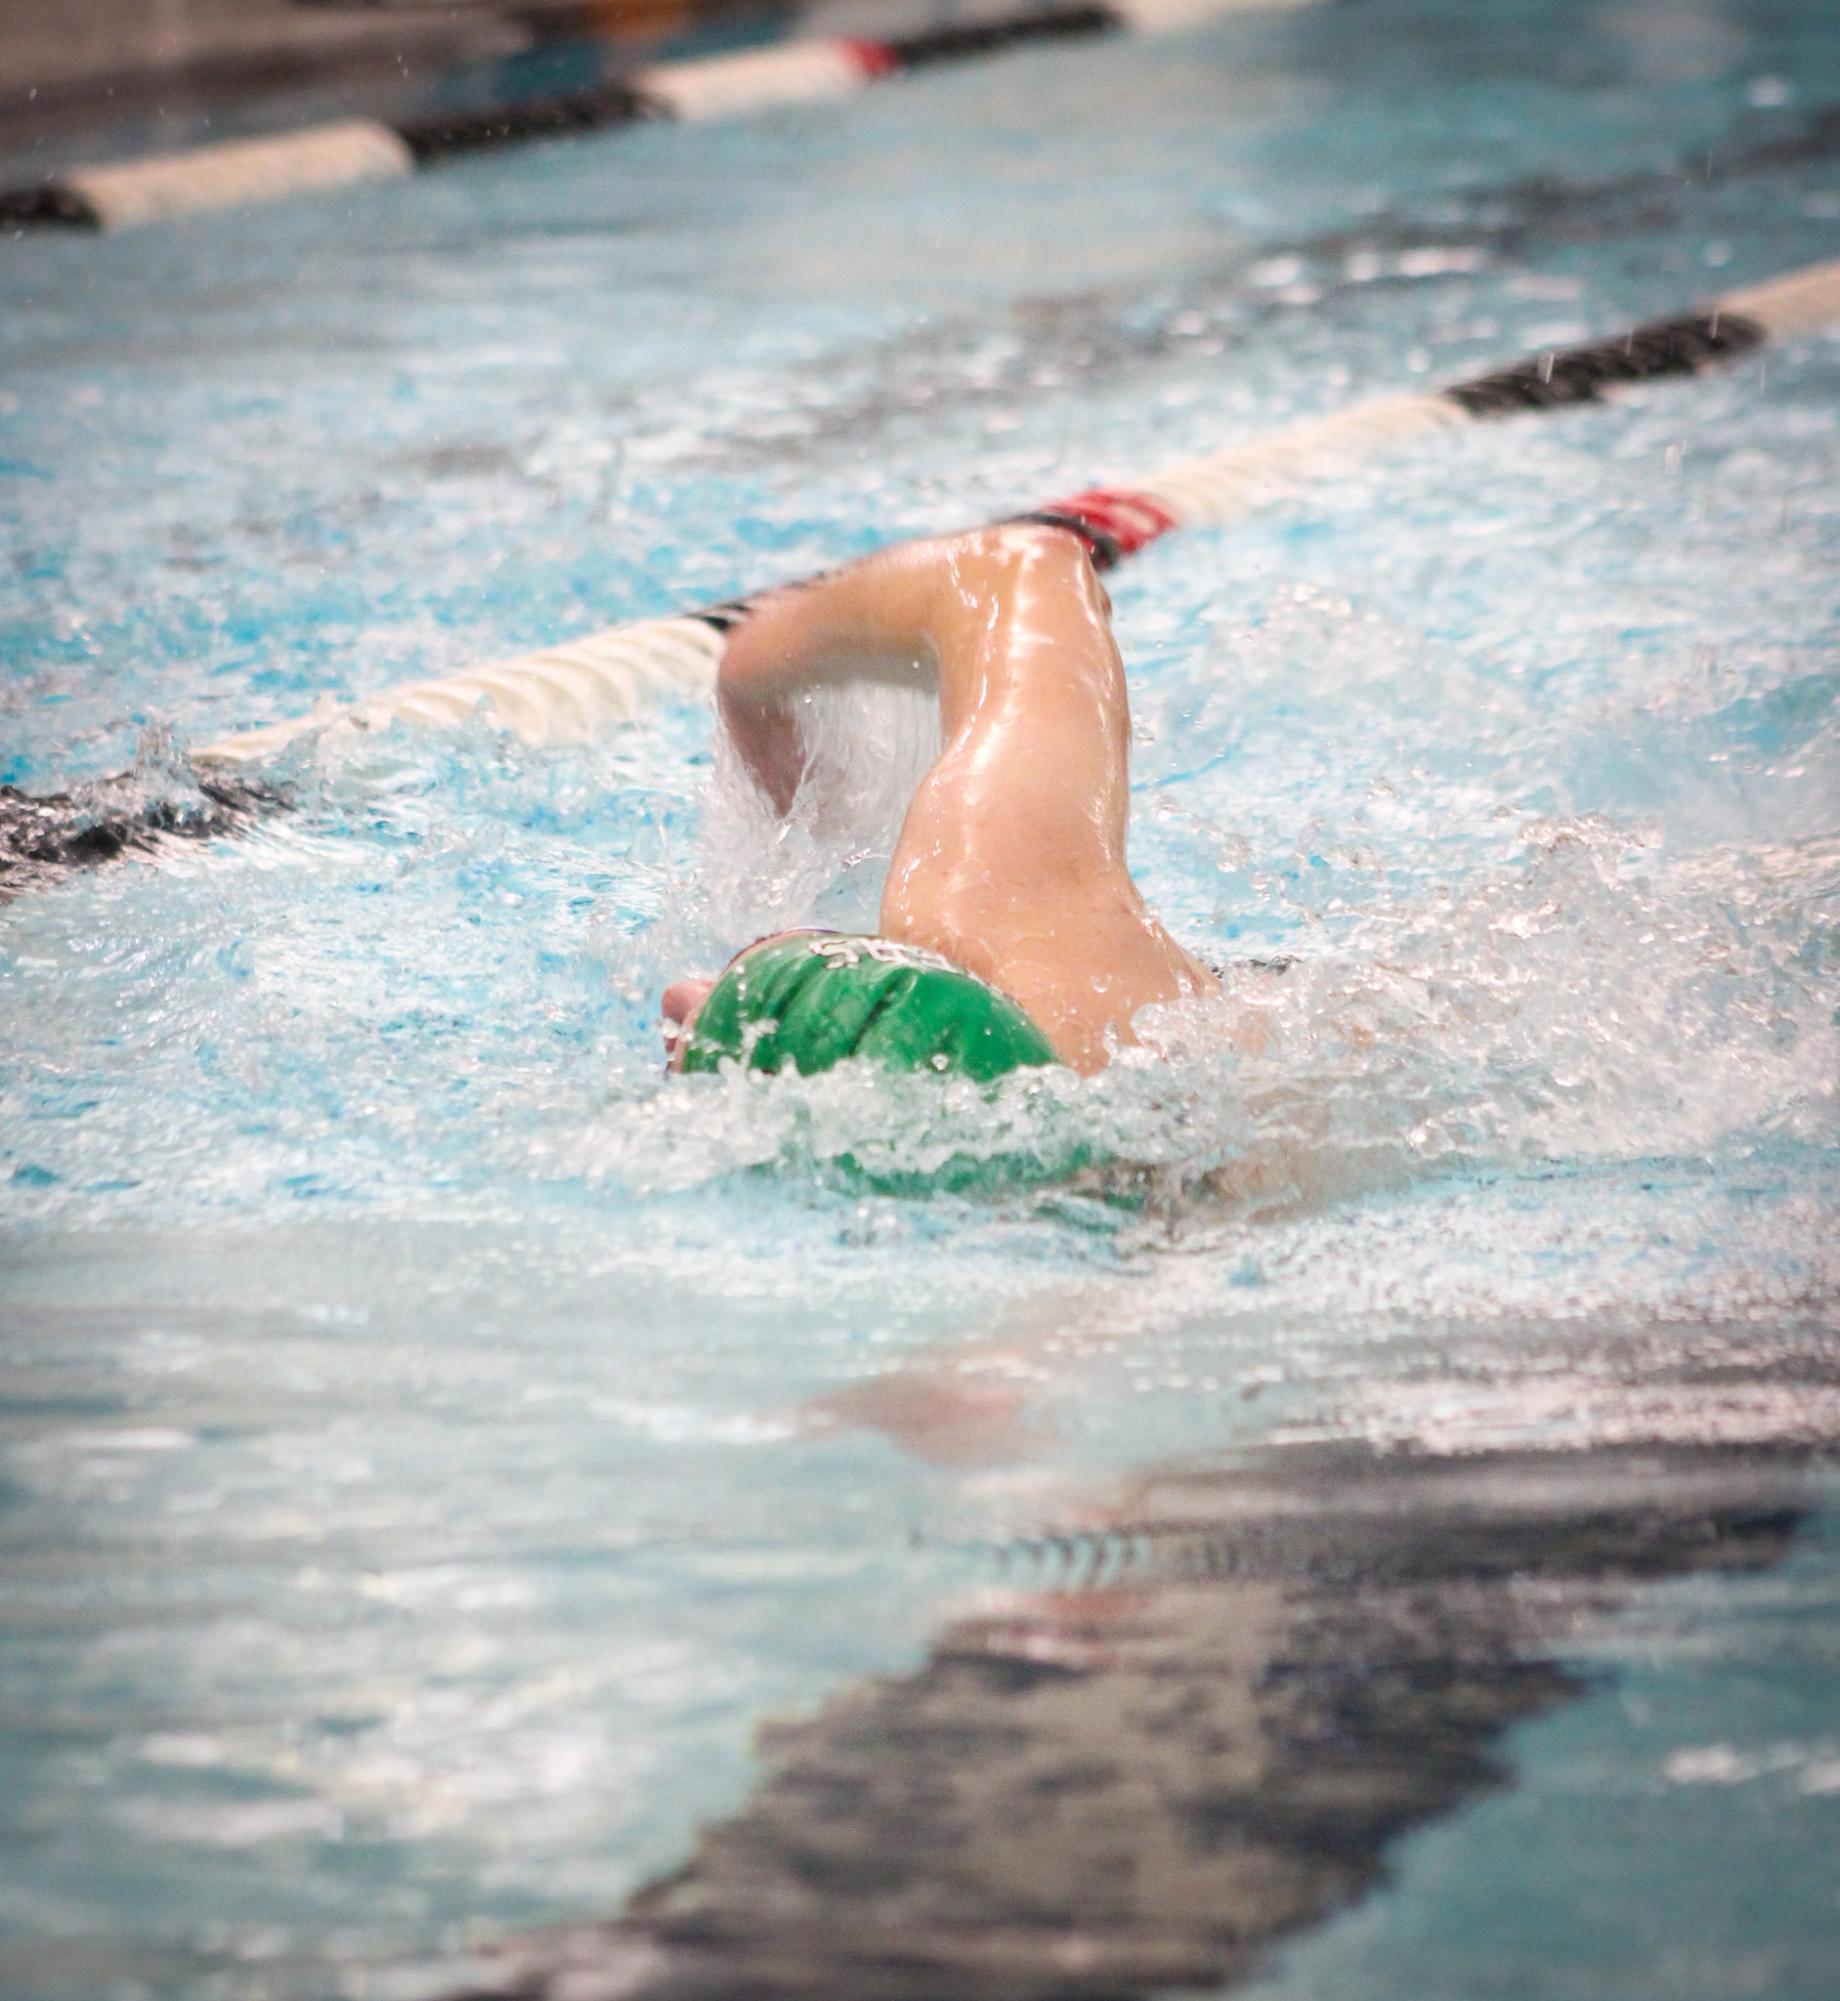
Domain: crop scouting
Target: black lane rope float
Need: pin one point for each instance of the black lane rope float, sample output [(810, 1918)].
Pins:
[(574, 690), (234, 173)]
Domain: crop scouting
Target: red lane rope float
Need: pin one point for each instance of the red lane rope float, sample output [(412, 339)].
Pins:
[(1113, 523), (235, 173), (873, 60)]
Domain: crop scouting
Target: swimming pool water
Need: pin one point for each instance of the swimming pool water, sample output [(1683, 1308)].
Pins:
[(432, 1448)]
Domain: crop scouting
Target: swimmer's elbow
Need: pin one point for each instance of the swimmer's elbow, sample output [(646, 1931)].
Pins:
[(1010, 545)]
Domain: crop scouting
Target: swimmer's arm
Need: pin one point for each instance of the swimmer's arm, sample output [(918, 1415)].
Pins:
[(909, 613)]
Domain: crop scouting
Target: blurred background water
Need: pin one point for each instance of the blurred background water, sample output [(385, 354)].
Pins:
[(428, 1442)]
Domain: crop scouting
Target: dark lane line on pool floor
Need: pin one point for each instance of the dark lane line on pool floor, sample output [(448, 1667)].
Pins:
[(920, 374), (1098, 335), (1115, 1789)]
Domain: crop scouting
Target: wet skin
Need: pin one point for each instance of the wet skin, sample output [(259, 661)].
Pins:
[(1011, 860)]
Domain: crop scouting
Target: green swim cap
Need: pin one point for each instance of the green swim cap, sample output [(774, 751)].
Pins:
[(811, 1000)]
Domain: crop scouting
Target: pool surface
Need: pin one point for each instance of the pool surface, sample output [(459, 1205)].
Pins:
[(477, 1517)]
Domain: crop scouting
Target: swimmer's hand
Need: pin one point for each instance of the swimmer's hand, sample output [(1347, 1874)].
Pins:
[(886, 618)]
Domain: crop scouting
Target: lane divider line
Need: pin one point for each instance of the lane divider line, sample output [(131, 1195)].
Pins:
[(570, 691), (238, 172)]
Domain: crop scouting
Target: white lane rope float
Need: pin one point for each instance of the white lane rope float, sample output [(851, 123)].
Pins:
[(235, 173), (574, 690)]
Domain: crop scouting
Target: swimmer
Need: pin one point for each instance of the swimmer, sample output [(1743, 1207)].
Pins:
[(1011, 933)]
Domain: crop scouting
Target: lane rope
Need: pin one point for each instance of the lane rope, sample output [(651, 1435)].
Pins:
[(570, 691), (236, 173)]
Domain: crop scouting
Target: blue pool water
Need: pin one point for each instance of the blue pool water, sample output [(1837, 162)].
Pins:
[(431, 1448)]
